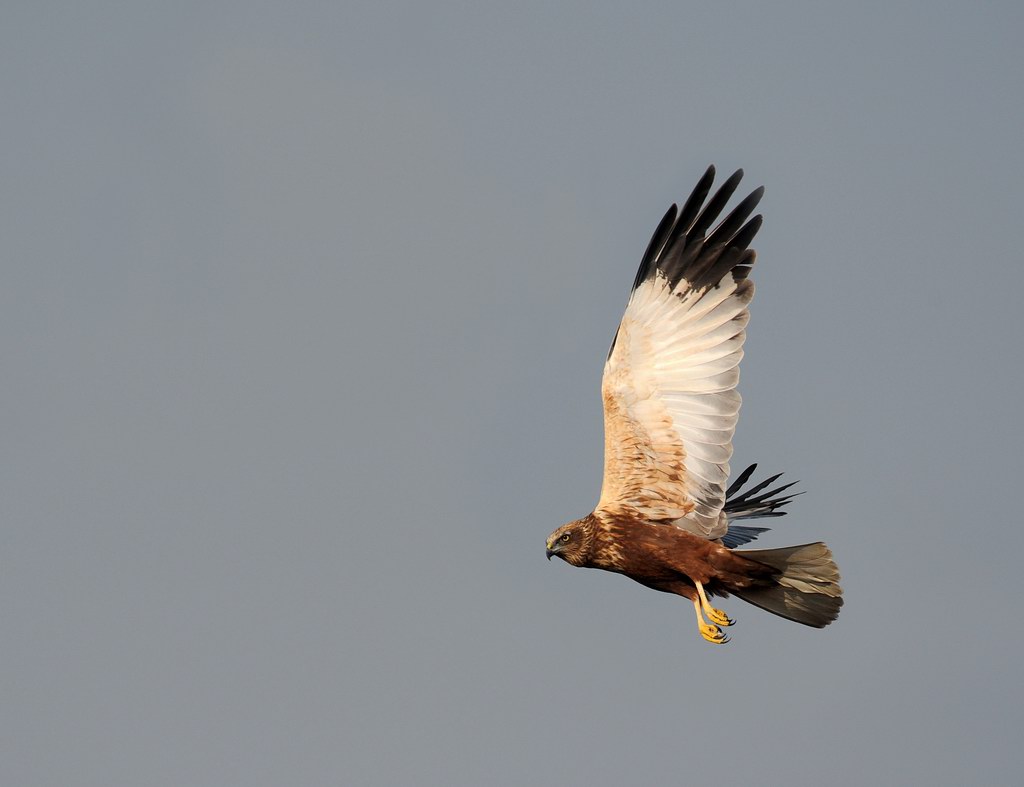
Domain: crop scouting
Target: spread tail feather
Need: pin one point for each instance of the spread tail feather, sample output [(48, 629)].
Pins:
[(807, 589)]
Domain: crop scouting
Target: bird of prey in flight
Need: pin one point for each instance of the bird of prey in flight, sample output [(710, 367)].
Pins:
[(667, 517)]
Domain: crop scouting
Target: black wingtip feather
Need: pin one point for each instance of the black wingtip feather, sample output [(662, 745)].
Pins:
[(700, 193), (716, 204), (741, 479), (658, 240), (679, 249), (768, 481), (725, 233), (756, 503), (746, 234)]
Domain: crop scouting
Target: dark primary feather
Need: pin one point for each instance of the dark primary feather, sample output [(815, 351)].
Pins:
[(700, 192), (656, 245), (743, 238), (751, 505), (680, 250), (746, 500), (741, 479), (757, 488), (731, 224), (714, 207)]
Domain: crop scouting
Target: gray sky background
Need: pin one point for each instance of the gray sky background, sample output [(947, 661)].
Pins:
[(303, 313)]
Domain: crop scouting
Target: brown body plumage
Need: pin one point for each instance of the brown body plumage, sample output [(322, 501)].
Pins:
[(665, 517), (668, 559)]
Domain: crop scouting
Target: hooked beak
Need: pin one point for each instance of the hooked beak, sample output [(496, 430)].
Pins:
[(552, 549), (549, 552)]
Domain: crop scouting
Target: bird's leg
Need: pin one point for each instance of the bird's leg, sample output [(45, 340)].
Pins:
[(714, 615), (709, 631)]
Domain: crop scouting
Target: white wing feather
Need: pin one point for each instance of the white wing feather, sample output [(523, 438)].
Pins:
[(671, 403)]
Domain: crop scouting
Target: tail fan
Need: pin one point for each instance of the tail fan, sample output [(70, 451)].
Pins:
[(807, 589), (752, 505)]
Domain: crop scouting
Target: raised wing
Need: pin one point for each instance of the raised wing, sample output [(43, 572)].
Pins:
[(669, 387)]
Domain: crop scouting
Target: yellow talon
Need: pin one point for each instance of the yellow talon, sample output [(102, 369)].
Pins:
[(717, 616), (713, 634), (709, 631), (714, 615)]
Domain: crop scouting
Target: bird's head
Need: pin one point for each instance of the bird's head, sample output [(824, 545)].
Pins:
[(571, 542)]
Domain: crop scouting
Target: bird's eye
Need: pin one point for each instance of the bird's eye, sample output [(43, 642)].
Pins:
[(565, 536)]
